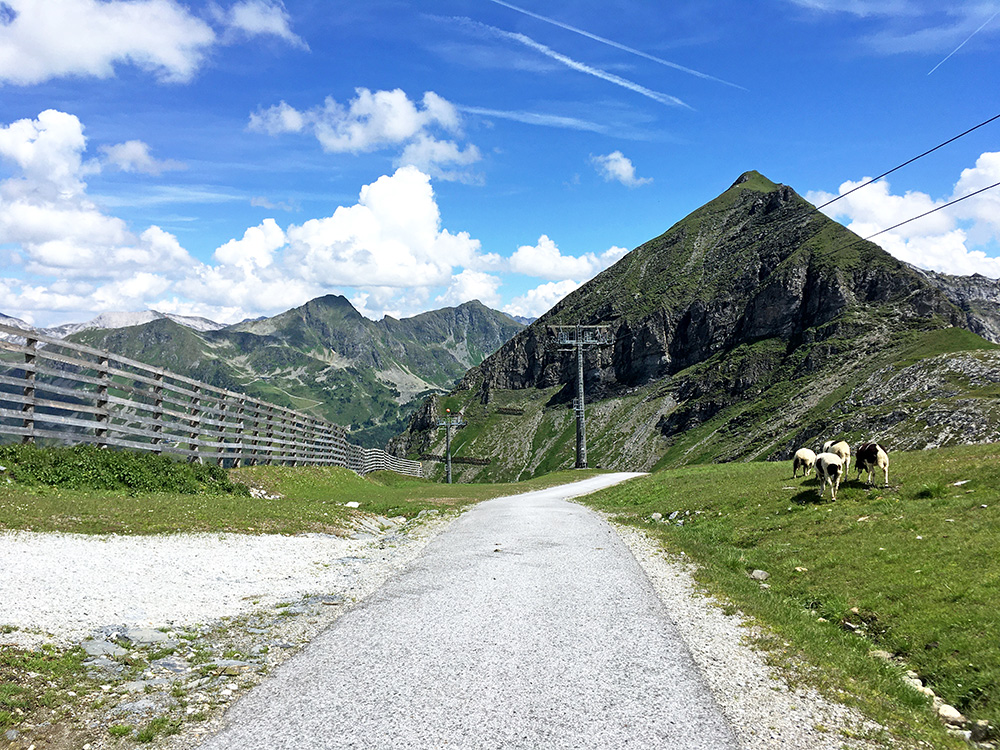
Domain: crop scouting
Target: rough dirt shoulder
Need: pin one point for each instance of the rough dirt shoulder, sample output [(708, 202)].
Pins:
[(763, 709)]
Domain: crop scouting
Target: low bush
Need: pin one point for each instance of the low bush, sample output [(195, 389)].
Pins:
[(89, 467)]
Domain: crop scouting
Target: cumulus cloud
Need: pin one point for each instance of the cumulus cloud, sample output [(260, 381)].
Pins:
[(544, 260), (256, 249), (392, 237), (616, 167), (948, 240), (469, 285), (134, 156), (45, 210), (541, 299), (379, 120), (54, 38), (389, 246), (45, 39), (261, 18)]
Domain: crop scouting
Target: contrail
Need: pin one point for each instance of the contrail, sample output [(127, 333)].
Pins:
[(952, 52), (656, 96), (533, 118), (618, 45)]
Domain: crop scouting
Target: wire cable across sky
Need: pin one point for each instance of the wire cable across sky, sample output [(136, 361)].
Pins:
[(909, 161)]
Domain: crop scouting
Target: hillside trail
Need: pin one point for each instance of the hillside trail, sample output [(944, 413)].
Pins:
[(526, 624)]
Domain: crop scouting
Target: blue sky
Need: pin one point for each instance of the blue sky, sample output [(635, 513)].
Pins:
[(235, 159)]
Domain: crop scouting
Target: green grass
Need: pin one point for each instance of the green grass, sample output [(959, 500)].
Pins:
[(312, 499), (31, 681), (918, 561), (91, 468)]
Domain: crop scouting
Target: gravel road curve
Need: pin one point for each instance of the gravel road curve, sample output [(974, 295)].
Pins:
[(526, 624)]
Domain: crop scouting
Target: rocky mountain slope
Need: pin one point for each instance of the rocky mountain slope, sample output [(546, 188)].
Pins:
[(751, 327), (325, 357)]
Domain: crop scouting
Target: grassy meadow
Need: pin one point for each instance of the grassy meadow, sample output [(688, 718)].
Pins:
[(912, 569), (87, 491)]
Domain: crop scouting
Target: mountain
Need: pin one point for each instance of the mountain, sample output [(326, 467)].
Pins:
[(110, 320), (324, 357), (753, 326)]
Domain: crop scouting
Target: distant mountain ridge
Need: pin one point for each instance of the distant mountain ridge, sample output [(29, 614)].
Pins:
[(322, 357), (110, 320), (753, 326)]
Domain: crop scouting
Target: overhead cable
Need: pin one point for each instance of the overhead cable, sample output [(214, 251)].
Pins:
[(910, 161)]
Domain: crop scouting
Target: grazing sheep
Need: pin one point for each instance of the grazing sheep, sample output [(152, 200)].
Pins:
[(840, 448), (873, 456), (829, 470), (804, 459)]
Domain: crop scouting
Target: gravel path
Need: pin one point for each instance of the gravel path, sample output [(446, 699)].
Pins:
[(62, 587), (526, 624)]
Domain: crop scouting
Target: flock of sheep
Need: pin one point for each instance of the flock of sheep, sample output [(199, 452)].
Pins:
[(832, 464)]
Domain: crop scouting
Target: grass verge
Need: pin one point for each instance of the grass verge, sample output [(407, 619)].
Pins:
[(911, 569), (299, 499)]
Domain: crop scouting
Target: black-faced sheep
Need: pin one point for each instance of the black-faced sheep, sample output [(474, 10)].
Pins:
[(804, 459), (871, 456), (840, 448), (829, 470)]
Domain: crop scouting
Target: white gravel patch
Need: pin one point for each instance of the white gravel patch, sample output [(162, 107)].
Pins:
[(756, 699), (66, 585)]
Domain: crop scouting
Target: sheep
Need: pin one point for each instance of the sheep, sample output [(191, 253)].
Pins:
[(804, 459), (829, 470), (842, 449), (872, 456)]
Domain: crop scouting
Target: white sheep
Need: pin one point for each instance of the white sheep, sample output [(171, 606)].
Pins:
[(804, 459), (829, 470), (840, 448), (873, 456)]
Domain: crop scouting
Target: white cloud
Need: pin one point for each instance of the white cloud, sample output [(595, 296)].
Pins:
[(45, 39), (56, 38), (378, 120), (281, 118), (948, 240), (544, 260), (392, 237), (617, 167), (256, 249), (469, 285), (437, 158), (260, 17), (539, 300), (134, 156)]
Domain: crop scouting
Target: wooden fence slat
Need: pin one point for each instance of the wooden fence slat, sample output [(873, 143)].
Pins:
[(128, 404)]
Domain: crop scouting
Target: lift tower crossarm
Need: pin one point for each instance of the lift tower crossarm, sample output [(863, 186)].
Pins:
[(577, 338)]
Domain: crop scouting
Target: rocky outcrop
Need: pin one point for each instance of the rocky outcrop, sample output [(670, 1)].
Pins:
[(757, 263), (977, 296)]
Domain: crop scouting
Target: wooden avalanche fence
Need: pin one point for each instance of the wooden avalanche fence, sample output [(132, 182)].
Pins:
[(50, 388)]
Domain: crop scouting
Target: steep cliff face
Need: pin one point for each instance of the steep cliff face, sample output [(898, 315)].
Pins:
[(736, 334)]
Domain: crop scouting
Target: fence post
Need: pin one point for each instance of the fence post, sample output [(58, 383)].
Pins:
[(158, 411), (28, 407), (195, 421), (222, 431), (238, 461), (103, 414), (269, 433), (254, 441)]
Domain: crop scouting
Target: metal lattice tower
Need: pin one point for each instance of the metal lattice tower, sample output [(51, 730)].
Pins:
[(449, 421), (577, 338)]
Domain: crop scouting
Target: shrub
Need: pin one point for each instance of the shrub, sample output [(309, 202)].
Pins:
[(89, 467)]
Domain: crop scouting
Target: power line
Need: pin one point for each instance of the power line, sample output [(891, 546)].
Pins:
[(925, 213), (909, 161)]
